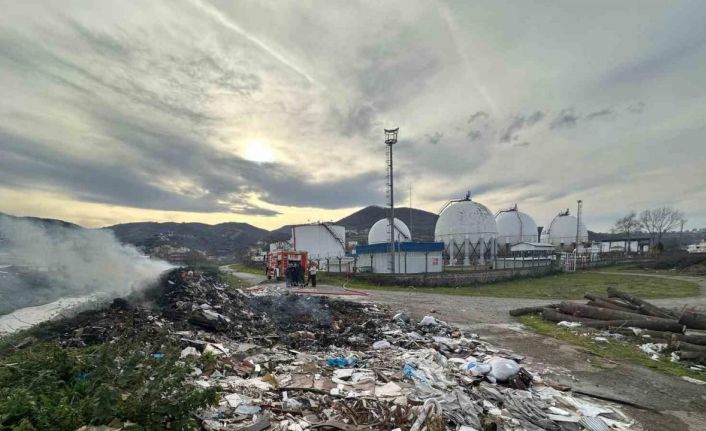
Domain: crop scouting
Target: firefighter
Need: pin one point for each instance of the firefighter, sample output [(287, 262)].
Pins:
[(312, 275)]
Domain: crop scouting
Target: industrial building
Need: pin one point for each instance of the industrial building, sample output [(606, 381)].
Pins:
[(320, 240), (468, 231), (410, 257)]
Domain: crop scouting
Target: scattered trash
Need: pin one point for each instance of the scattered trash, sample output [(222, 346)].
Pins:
[(693, 380), (341, 362), (383, 344), (502, 369), (283, 361), (189, 351), (569, 324), (428, 321)]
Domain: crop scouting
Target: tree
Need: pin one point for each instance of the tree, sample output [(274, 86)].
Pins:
[(627, 225), (660, 220)]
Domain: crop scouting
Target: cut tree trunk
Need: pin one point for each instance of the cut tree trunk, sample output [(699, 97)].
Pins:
[(691, 355), (693, 320), (603, 313), (531, 310), (661, 325), (598, 302), (682, 345), (620, 303), (645, 306)]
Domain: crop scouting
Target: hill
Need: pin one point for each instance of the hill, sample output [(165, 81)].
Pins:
[(222, 239), (358, 224)]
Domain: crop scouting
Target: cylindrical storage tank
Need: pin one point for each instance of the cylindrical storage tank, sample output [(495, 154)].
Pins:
[(468, 231), (380, 231), (562, 232), (514, 227)]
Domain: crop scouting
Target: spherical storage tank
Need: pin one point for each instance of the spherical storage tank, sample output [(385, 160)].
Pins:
[(468, 231), (380, 232), (515, 226), (562, 231)]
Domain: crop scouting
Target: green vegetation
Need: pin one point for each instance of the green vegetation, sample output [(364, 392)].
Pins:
[(612, 350), (49, 387), (559, 286), (239, 267)]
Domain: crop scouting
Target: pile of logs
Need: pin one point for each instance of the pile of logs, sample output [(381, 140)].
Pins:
[(620, 311)]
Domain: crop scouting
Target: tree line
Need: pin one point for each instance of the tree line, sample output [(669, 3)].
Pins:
[(655, 222)]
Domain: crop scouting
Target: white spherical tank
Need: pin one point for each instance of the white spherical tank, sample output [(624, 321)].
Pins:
[(515, 226), (562, 232), (380, 231), (468, 231)]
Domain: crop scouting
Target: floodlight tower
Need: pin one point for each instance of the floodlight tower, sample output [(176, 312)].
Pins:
[(390, 140)]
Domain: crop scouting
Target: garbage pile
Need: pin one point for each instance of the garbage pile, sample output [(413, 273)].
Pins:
[(291, 362), (681, 333)]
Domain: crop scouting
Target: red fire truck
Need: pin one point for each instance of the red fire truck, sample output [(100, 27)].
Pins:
[(279, 260)]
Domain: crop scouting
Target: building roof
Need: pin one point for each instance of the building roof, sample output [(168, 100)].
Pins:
[(525, 246), (400, 246)]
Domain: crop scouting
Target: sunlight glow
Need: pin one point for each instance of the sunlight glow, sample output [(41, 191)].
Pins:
[(256, 151)]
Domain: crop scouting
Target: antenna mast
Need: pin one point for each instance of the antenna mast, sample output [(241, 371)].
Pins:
[(390, 140)]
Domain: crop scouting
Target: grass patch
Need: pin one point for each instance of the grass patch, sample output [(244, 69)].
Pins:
[(559, 286), (239, 267), (232, 280), (50, 387), (613, 350)]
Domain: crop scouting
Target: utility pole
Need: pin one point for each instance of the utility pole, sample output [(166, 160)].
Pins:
[(578, 223), (390, 140), (411, 235)]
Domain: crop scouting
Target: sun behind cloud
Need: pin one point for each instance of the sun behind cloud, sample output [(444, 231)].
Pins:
[(258, 151)]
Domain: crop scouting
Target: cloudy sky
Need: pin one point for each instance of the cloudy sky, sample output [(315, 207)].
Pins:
[(272, 112)]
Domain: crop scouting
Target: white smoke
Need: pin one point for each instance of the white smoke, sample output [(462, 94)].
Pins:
[(71, 262)]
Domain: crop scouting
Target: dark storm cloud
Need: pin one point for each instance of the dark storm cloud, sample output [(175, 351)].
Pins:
[(603, 113), (565, 119)]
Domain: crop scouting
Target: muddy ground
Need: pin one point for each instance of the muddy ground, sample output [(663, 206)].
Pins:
[(667, 402)]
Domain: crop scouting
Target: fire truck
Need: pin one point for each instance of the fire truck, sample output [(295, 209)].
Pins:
[(279, 260)]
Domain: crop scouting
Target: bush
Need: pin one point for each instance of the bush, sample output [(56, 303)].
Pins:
[(50, 387)]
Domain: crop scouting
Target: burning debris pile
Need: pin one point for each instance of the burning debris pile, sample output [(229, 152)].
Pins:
[(287, 362), (680, 334)]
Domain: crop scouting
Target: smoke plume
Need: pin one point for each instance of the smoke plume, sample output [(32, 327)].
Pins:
[(49, 261)]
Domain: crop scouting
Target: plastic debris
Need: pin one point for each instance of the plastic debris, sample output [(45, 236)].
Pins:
[(189, 351), (428, 321), (502, 369), (569, 324), (341, 361), (382, 344)]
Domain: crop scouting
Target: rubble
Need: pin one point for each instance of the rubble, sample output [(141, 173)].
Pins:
[(290, 362)]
